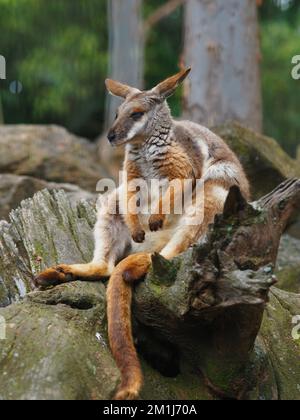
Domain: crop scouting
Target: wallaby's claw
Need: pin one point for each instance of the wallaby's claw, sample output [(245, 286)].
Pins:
[(54, 276), (156, 222), (126, 395), (139, 236)]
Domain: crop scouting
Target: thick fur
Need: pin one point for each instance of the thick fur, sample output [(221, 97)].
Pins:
[(119, 294), (157, 147)]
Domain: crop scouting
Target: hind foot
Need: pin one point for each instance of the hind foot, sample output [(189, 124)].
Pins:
[(68, 273)]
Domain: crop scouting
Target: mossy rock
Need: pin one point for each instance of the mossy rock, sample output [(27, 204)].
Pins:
[(282, 348), (56, 345), (14, 189), (288, 264), (265, 162), (50, 153), (45, 230), (56, 348)]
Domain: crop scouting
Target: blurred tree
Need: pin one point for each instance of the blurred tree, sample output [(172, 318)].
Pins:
[(280, 10), (128, 34), (126, 47), (281, 94), (164, 46), (131, 31), (55, 50), (59, 51), (222, 46)]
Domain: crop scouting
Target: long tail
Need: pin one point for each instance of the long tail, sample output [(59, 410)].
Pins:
[(119, 297)]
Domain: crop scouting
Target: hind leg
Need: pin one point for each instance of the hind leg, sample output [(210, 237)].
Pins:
[(194, 228), (112, 243)]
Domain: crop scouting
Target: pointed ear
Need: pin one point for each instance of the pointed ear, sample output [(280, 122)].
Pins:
[(119, 89), (168, 86)]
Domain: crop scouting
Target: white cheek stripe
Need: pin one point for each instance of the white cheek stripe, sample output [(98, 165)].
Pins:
[(136, 128)]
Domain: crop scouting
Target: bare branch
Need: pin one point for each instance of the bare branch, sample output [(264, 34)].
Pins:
[(162, 12)]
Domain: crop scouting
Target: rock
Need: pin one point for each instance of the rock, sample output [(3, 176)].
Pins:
[(282, 348), (294, 229), (265, 162), (44, 231), (288, 264), (14, 189), (56, 341), (49, 153), (73, 360), (59, 351)]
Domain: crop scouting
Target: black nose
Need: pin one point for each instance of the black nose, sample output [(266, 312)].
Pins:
[(111, 136)]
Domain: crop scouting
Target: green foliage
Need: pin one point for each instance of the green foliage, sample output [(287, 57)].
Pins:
[(163, 50), (281, 93), (58, 50), (280, 9)]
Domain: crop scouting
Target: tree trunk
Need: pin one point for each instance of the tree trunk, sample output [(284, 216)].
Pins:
[(126, 47), (208, 304), (222, 47), (126, 64)]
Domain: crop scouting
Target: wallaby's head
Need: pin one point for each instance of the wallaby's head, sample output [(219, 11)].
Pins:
[(139, 114)]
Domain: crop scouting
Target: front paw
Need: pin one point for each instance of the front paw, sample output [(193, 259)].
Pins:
[(156, 222), (54, 276), (139, 236)]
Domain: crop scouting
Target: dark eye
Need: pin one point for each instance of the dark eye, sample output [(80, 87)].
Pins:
[(117, 115), (137, 115)]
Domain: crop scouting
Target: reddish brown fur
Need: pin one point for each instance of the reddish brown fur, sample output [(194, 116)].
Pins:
[(132, 220), (119, 296), (67, 273), (168, 86), (117, 88)]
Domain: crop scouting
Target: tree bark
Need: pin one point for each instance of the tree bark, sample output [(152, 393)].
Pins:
[(222, 47), (126, 47), (126, 64), (208, 304), (162, 12)]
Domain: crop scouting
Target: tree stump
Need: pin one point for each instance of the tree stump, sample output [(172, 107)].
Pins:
[(199, 320), (208, 304)]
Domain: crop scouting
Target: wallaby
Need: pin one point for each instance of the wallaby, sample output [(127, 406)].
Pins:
[(157, 147)]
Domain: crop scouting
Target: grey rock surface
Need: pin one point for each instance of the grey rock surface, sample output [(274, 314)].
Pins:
[(50, 153), (56, 341), (15, 188)]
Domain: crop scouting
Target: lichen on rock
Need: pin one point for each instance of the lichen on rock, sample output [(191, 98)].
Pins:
[(56, 345), (265, 162), (45, 230)]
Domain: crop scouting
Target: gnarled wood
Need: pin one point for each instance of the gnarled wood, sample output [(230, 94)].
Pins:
[(197, 318), (212, 311)]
